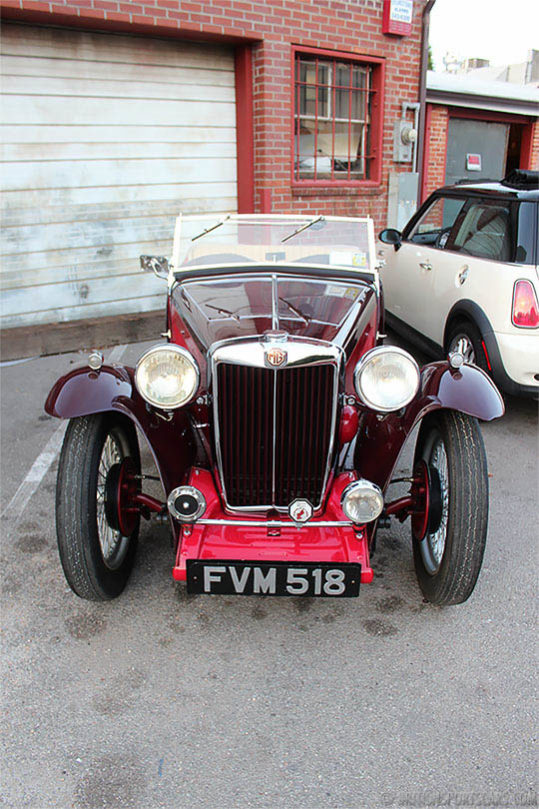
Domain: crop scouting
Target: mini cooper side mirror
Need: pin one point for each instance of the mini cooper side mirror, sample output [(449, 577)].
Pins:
[(391, 236), (157, 264)]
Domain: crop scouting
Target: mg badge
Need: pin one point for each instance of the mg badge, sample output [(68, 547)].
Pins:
[(276, 357), (300, 510)]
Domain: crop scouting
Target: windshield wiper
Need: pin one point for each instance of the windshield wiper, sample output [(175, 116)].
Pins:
[(222, 311), (208, 230), (305, 318), (303, 227)]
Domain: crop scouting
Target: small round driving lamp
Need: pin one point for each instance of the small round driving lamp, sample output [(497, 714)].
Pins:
[(362, 501), (167, 376), (386, 378)]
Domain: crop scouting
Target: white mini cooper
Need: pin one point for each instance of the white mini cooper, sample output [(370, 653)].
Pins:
[(463, 277)]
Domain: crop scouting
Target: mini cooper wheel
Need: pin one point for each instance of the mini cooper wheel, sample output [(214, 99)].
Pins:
[(450, 541), (97, 530), (465, 338)]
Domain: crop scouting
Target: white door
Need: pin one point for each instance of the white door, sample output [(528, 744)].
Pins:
[(420, 277), (105, 140)]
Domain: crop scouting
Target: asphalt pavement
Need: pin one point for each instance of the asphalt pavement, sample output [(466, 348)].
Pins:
[(159, 699)]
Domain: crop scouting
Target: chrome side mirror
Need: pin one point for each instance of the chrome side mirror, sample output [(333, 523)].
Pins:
[(157, 264)]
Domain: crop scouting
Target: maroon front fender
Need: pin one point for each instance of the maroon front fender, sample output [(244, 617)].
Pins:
[(380, 440), (83, 392)]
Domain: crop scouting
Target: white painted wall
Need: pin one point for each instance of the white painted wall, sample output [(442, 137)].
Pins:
[(105, 139)]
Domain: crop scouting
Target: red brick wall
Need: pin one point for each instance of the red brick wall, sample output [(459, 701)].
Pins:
[(435, 150), (272, 26)]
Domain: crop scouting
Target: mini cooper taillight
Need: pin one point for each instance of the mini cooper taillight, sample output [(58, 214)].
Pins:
[(525, 311)]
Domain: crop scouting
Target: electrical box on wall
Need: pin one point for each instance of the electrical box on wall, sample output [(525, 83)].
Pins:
[(397, 17), (404, 138), (402, 198)]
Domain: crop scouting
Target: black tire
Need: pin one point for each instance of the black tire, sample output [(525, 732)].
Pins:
[(91, 572), (448, 560), (464, 336)]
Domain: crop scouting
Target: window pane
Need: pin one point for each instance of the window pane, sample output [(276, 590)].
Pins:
[(308, 100), (436, 224), (343, 75), (309, 159), (485, 232), (358, 105), (528, 224), (323, 73), (359, 74), (307, 72), (347, 147)]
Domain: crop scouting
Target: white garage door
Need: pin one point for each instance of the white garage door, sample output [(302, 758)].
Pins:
[(105, 138)]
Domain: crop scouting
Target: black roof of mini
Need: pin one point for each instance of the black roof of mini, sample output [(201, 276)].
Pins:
[(519, 184)]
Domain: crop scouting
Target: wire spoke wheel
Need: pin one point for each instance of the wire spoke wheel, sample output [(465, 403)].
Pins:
[(96, 557), (433, 544), (113, 545), (448, 557)]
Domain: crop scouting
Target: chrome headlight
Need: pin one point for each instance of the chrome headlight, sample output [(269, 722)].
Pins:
[(386, 378), (167, 376), (362, 501)]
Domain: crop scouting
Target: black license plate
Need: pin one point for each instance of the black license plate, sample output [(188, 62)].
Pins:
[(232, 577)]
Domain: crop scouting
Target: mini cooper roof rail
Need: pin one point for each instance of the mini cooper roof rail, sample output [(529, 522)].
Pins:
[(473, 181), (522, 178)]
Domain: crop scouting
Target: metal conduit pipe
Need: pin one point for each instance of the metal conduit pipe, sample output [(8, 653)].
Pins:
[(423, 93)]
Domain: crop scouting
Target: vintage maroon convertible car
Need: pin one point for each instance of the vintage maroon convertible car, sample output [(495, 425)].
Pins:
[(275, 416)]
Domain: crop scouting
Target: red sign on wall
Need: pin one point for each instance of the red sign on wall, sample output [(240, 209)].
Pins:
[(397, 17), (473, 162)]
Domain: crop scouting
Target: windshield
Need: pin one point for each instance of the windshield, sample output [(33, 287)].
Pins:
[(262, 239)]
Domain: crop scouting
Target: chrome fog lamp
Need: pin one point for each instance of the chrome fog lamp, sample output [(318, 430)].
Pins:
[(167, 376), (362, 501), (386, 378), (186, 504)]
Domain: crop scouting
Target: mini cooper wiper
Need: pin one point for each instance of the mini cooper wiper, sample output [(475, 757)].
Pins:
[(303, 227), (208, 230)]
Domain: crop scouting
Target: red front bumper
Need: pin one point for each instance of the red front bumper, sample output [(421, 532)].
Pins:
[(252, 544)]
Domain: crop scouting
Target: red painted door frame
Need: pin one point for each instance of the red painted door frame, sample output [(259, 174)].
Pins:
[(503, 118), (479, 115), (244, 129)]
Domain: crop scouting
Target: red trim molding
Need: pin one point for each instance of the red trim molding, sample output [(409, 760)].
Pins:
[(486, 115), (426, 155), (244, 129), (526, 147)]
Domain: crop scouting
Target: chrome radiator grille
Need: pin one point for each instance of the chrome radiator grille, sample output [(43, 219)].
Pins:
[(274, 432)]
